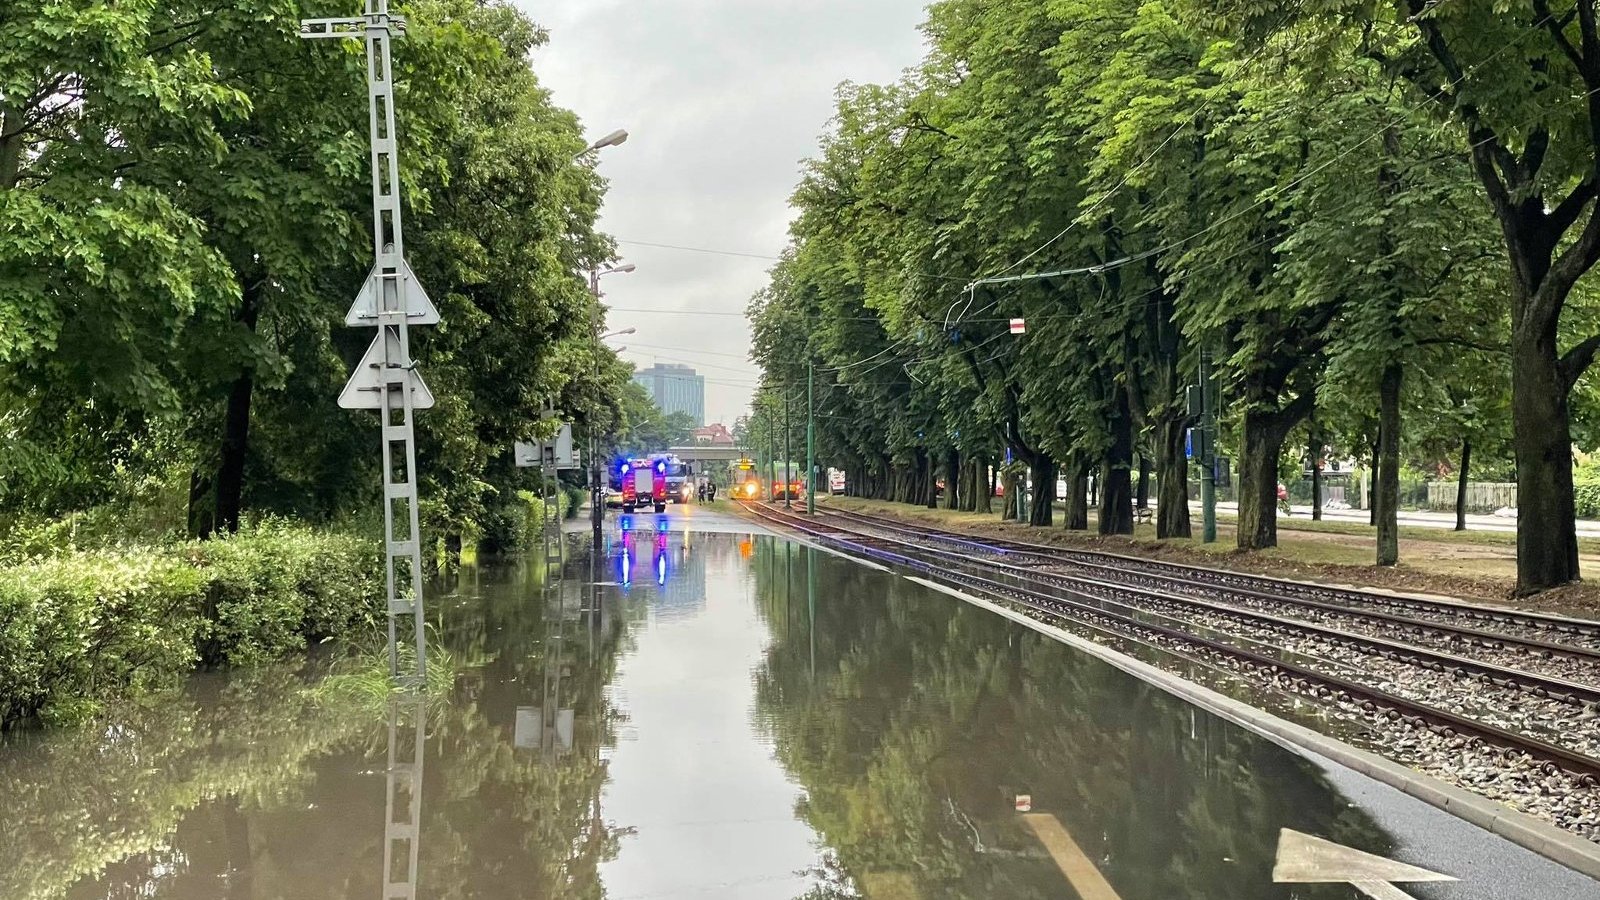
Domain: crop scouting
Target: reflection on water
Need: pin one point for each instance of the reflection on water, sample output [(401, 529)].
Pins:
[(913, 722), (706, 715)]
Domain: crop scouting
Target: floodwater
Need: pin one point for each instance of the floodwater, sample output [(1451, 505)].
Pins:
[(704, 713)]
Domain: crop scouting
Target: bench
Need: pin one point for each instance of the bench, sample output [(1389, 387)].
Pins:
[(1143, 516)]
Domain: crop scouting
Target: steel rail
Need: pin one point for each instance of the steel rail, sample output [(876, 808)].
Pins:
[(1436, 660), (1299, 593), (1588, 768)]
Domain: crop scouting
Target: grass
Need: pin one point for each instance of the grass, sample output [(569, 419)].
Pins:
[(1470, 564), (363, 678)]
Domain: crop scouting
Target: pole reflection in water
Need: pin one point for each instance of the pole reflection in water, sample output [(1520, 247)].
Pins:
[(408, 725)]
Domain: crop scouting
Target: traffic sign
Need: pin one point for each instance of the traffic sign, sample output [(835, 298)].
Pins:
[(1019, 326), (364, 390), (1304, 859), (420, 308)]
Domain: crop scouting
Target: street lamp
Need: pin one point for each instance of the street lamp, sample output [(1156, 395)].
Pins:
[(614, 139), (597, 496)]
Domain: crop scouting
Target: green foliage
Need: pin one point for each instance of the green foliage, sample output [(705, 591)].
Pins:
[(185, 196), (1586, 490), (84, 627), (274, 588)]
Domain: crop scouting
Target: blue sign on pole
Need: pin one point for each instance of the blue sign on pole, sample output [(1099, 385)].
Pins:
[(1188, 443)]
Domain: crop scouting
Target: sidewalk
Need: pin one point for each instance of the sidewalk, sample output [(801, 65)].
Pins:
[(1416, 518)]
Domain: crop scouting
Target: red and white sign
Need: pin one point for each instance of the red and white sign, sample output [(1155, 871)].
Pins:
[(1024, 802), (1019, 326)]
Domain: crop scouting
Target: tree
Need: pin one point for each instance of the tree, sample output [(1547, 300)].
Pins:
[(102, 266), (1524, 88)]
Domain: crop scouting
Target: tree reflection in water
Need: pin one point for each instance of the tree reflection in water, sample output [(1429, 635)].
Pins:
[(253, 786), (912, 720)]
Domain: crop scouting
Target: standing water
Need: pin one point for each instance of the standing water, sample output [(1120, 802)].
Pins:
[(687, 714)]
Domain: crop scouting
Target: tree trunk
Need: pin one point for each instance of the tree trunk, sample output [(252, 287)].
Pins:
[(1547, 531), (1387, 499), (1116, 499), (202, 505), (1009, 503), (1314, 453), (1372, 480), (982, 485), (1461, 485), (229, 485), (1042, 511), (1172, 478), (1116, 477), (1258, 481), (952, 478), (1078, 498), (235, 449), (930, 483)]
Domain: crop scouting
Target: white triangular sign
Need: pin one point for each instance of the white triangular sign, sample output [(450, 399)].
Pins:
[(365, 390), (1304, 859), (365, 310)]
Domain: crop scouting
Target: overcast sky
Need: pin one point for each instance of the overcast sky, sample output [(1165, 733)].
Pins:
[(723, 99)]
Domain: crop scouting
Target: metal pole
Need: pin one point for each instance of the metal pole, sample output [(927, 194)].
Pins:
[(597, 496), (788, 452), (1208, 452), (772, 445), (811, 441), (395, 299)]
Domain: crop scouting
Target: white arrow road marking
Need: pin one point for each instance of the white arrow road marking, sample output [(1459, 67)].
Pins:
[(1305, 859), (1081, 872)]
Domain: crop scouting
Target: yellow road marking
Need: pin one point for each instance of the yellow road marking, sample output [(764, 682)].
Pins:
[(1081, 872)]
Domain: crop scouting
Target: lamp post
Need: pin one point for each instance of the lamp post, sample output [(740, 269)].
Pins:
[(788, 430), (596, 492), (811, 444), (597, 496)]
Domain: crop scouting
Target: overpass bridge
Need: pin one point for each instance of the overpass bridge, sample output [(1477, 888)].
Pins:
[(706, 453)]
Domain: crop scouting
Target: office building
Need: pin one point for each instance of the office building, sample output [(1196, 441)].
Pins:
[(675, 388)]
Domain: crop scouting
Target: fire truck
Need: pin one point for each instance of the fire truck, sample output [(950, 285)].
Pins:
[(644, 483)]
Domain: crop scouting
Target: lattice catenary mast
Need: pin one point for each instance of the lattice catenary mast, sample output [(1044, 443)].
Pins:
[(387, 379)]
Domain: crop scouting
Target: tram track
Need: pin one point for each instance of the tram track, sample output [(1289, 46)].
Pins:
[(1556, 646), (1529, 738)]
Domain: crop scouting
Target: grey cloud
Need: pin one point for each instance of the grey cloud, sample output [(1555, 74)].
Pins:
[(723, 99)]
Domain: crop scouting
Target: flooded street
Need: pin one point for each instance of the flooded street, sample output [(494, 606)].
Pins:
[(705, 712)]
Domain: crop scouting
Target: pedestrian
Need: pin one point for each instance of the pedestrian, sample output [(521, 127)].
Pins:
[(711, 491), (702, 492)]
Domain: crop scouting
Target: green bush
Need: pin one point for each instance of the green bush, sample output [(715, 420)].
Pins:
[(83, 627), (79, 629), (1586, 491), (277, 588)]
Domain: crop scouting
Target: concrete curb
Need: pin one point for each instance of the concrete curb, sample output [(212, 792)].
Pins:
[(1526, 831)]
